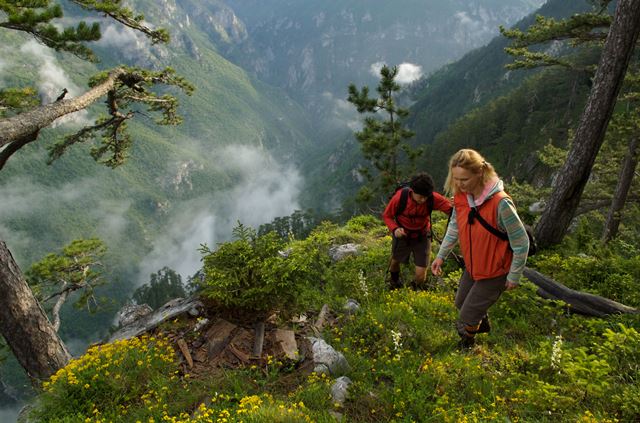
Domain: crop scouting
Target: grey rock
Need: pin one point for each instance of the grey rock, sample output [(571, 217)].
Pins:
[(537, 207), (201, 323), (326, 359), (336, 415), (339, 389), (285, 253), (351, 306), (339, 252)]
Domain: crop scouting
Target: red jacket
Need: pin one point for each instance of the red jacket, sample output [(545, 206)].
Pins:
[(485, 255), (415, 217)]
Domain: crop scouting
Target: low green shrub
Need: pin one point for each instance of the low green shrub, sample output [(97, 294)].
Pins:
[(263, 273), (612, 277)]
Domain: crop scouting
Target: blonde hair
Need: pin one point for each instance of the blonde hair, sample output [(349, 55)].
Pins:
[(472, 161)]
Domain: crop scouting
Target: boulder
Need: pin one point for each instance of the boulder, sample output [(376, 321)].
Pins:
[(326, 359), (339, 252), (339, 390)]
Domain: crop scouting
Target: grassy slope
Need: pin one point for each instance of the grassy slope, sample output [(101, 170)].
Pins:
[(539, 363)]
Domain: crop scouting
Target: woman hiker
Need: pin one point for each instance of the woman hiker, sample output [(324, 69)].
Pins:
[(408, 216), (493, 265)]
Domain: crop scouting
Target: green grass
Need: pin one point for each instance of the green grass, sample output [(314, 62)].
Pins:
[(539, 363)]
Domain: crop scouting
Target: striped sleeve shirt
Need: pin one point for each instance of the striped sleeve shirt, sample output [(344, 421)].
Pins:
[(509, 222)]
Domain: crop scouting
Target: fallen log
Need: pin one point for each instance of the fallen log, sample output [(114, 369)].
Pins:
[(150, 321), (580, 302)]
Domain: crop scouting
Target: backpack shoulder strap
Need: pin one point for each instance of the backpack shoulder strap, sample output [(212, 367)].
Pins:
[(495, 231), (430, 202), (404, 196)]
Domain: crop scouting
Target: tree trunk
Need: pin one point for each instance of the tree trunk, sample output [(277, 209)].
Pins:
[(570, 183), (622, 191), (24, 324), (580, 302)]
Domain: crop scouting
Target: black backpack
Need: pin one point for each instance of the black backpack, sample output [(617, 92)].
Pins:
[(533, 246), (404, 197)]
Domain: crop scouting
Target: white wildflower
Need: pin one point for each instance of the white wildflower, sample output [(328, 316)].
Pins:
[(362, 282), (556, 353), (397, 340)]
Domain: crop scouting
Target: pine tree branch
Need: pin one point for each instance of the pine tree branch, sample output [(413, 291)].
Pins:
[(125, 16), (29, 123)]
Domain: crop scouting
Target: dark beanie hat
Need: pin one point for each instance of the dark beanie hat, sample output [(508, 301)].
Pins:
[(422, 184)]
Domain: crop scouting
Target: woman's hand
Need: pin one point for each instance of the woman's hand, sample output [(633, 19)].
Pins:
[(436, 266), (510, 285)]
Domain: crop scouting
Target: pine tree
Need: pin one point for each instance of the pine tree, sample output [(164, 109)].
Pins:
[(75, 269), (383, 140)]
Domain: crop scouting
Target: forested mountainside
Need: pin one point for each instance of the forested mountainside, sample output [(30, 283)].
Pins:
[(313, 48), (475, 89), (181, 186), (445, 102)]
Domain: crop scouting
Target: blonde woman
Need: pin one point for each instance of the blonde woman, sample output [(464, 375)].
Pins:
[(493, 265)]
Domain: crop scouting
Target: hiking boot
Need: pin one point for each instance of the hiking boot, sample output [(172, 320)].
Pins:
[(485, 327), (395, 284), (466, 343)]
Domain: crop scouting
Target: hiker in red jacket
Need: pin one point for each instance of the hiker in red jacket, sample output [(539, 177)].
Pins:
[(408, 216)]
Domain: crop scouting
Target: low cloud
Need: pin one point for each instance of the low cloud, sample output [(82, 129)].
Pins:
[(470, 29), (10, 414), (407, 72), (23, 198), (131, 44), (265, 189), (464, 19), (342, 114), (112, 217), (178, 247), (375, 68), (52, 80)]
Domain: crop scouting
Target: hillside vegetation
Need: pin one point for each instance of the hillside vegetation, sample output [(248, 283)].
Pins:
[(131, 207), (540, 362)]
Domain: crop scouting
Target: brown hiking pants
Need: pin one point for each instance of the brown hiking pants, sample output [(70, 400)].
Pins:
[(473, 299)]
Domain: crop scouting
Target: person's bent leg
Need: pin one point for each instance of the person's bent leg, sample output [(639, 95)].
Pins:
[(480, 297), (421, 251), (421, 273), (464, 286), (467, 334)]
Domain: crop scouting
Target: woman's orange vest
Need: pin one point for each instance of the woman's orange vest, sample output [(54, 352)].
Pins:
[(485, 255)]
